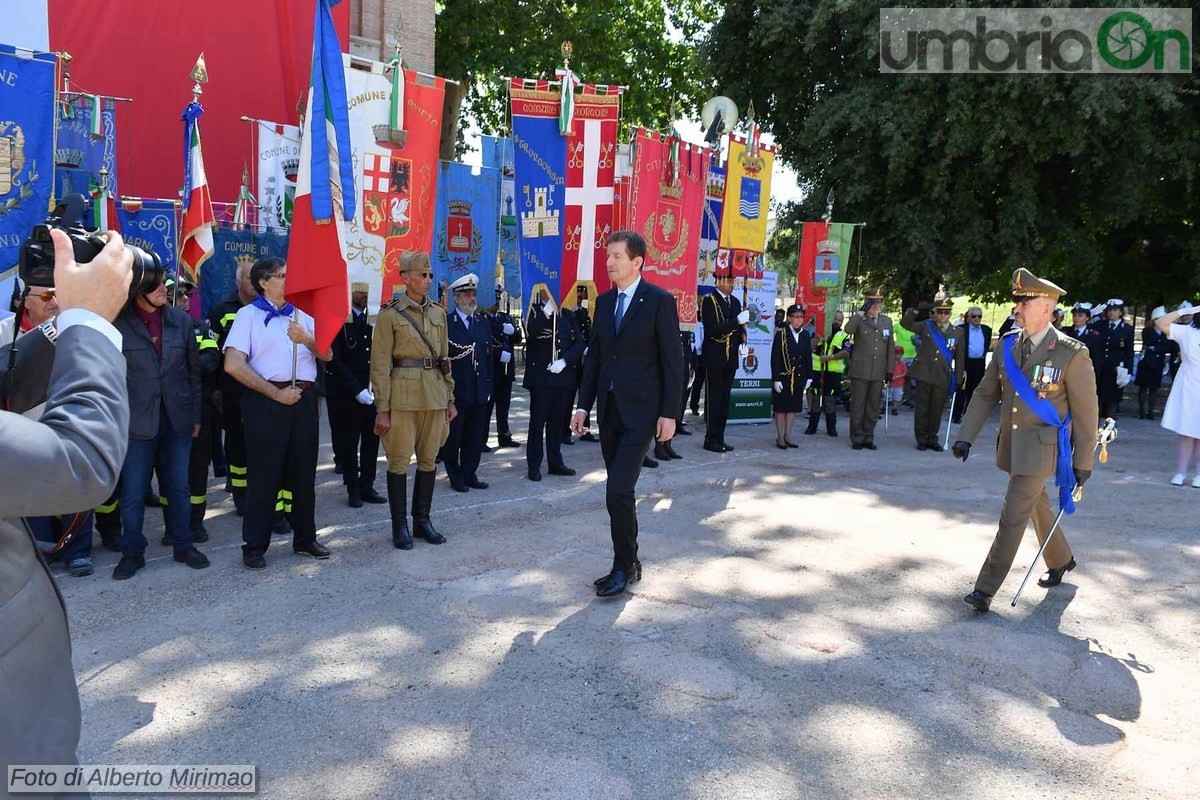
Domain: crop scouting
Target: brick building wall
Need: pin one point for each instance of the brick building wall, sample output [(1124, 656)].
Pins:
[(373, 27)]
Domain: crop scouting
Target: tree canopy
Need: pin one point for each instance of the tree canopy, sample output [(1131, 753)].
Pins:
[(1089, 180), (648, 45)]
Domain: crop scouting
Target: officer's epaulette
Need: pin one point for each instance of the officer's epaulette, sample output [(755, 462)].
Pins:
[(1071, 342), (390, 303)]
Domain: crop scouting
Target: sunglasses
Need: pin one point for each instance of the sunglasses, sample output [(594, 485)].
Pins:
[(942, 311), (45, 296), (280, 275), (975, 316)]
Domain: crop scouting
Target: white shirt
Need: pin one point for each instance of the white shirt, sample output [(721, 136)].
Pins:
[(628, 296), (267, 347)]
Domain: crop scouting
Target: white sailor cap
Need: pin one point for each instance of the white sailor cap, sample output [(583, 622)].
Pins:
[(1116, 302), (1081, 308), (1186, 305), (1099, 309), (1159, 311), (467, 283)]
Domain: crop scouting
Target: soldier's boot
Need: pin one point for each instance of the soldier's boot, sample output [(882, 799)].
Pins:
[(397, 491), (422, 502), (812, 423), (831, 424)]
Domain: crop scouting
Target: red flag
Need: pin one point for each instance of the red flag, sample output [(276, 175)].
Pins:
[(807, 294)]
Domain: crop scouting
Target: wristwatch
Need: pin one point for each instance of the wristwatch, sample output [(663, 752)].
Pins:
[(50, 330)]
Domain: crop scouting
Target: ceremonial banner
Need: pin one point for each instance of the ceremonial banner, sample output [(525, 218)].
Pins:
[(498, 154), (747, 197), (233, 248), (195, 239), (87, 143), (710, 226), (666, 206), (821, 272), (151, 225), (466, 228), (540, 160), (278, 161), (750, 400), (591, 170), (26, 148), (395, 176)]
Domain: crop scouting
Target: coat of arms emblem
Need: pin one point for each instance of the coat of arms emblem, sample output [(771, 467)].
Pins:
[(387, 193)]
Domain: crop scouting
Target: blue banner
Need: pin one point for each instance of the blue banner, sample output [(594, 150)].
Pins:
[(79, 156), (152, 226), (218, 275), (710, 227), (26, 148), (540, 161), (466, 225), (498, 154)]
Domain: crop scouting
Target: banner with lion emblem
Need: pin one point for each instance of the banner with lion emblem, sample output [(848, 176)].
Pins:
[(26, 147)]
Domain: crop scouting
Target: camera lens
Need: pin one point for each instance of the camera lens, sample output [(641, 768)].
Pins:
[(148, 270)]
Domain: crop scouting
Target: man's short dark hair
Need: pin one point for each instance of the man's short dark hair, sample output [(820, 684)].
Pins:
[(264, 268), (635, 245)]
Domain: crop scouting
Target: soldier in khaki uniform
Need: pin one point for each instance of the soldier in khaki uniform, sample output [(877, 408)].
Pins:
[(936, 377), (871, 364), (1057, 369), (414, 393)]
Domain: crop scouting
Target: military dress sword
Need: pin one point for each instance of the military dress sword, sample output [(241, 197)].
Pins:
[(1105, 435)]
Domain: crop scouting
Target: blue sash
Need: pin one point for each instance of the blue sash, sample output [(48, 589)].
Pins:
[(1064, 476), (944, 349)]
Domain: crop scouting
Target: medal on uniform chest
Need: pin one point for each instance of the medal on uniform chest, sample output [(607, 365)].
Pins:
[(1045, 378)]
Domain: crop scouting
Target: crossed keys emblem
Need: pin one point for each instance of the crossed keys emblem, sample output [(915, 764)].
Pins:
[(601, 237), (606, 155), (573, 236), (576, 160)]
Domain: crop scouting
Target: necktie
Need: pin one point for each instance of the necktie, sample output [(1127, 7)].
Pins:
[(1026, 350), (620, 308), (467, 322)]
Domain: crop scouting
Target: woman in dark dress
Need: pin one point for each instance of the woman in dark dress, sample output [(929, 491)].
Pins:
[(1156, 349), (791, 363)]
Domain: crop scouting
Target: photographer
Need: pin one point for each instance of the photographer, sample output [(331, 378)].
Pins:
[(67, 460)]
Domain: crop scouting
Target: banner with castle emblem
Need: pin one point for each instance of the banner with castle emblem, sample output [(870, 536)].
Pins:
[(540, 162), (465, 231), (666, 203), (151, 225), (218, 275), (26, 147), (86, 145), (747, 197), (821, 271), (498, 154), (710, 226), (395, 171), (278, 161)]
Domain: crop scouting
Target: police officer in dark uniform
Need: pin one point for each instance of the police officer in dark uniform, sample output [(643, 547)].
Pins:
[(1116, 351), (1081, 330), (506, 335), (553, 354), (470, 336), (352, 403)]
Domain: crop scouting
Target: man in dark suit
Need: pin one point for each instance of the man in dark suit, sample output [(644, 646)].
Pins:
[(471, 354), (352, 405), (978, 339), (724, 332), (552, 356), (633, 371)]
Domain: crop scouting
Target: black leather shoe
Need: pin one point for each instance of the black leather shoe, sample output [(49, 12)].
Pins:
[(354, 497), (535, 474), (978, 600), (714, 448), (192, 557), (369, 495), (728, 448), (634, 573), (683, 430), (563, 470), (255, 562), (487, 448), (922, 446), (337, 469), (614, 585), (856, 446), (568, 440), (589, 437), (1054, 577), (649, 463), (831, 432), (671, 450), (312, 549), (507, 441), (459, 486), (870, 446), (937, 448), (810, 430), (475, 483), (660, 451), (127, 567), (199, 535)]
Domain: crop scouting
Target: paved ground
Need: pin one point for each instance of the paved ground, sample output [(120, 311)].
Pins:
[(799, 633)]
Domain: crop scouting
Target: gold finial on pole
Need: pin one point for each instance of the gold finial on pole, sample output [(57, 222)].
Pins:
[(750, 111), (199, 75), (567, 49)]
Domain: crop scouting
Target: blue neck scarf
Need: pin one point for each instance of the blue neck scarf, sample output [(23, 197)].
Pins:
[(944, 349), (1064, 475), (272, 312)]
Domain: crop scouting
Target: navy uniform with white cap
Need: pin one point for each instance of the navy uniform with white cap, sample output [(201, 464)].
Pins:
[(471, 356), (1114, 362), (553, 354), (1046, 388), (1081, 329)]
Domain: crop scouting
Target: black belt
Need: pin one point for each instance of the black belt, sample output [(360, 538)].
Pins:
[(416, 363), (301, 385)]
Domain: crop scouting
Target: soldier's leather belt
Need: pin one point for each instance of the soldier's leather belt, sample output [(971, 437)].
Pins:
[(301, 385), (418, 363)]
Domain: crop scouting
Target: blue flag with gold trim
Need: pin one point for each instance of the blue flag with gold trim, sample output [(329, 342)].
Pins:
[(26, 147)]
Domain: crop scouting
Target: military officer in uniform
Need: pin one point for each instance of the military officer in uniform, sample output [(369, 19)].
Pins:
[(414, 396), (872, 360), (553, 354), (724, 332), (506, 335), (471, 355), (829, 364), (352, 403), (938, 368), (1046, 388), (1115, 353)]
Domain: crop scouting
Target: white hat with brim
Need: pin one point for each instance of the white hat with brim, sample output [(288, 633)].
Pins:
[(467, 283)]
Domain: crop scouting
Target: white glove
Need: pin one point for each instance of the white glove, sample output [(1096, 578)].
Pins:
[(548, 310), (742, 351), (583, 304), (365, 397), (505, 356), (585, 351), (1122, 376), (778, 387), (558, 366), (508, 329), (744, 317)]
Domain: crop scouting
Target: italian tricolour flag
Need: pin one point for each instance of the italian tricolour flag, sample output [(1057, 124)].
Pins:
[(196, 241), (317, 279)]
